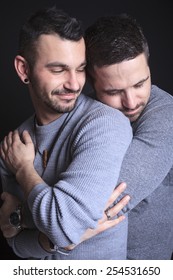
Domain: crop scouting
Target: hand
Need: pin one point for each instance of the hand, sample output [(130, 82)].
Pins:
[(105, 223), (16, 152), (10, 203), (113, 209)]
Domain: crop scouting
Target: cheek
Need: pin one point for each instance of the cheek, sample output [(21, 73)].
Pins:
[(144, 95), (82, 80), (111, 101)]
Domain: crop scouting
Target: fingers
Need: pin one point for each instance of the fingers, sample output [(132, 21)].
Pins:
[(26, 137), (2, 154), (117, 191), (8, 141), (112, 211), (109, 224), (16, 139), (119, 206), (4, 143), (11, 138)]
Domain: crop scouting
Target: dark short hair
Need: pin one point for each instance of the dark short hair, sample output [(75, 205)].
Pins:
[(112, 39), (47, 21)]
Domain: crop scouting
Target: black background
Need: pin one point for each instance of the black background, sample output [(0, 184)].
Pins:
[(155, 17)]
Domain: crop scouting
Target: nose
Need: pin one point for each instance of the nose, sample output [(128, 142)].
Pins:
[(129, 100), (72, 82)]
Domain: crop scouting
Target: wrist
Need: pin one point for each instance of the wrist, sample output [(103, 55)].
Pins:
[(24, 170), (28, 178)]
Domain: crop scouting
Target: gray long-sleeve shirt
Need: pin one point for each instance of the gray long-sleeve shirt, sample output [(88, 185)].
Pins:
[(148, 170), (81, 174)]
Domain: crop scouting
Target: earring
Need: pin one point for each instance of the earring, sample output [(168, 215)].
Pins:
[(26, 81)]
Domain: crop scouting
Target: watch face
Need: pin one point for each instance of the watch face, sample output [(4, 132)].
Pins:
[(15, 219)]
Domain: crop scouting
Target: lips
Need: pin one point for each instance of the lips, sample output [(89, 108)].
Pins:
[(67, 95), (132, 113)]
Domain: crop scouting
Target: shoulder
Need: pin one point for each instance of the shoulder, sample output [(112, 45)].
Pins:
[(160, 102), (103, 119), (159, 98), (158, 113), (96, 109)]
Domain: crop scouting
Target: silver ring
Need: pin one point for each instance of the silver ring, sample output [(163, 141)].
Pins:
[(107, 214)]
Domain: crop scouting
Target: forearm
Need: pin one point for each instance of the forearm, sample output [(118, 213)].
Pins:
[(56, 208), (28, 178), (89, 170), (149, 157)]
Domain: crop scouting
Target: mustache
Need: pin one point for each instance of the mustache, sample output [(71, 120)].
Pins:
[(65, 91), (125, 109)]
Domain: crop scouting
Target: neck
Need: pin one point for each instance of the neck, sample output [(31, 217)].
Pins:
[(46, 119)]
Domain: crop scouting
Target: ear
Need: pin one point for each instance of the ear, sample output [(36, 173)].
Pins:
[(21, 67)]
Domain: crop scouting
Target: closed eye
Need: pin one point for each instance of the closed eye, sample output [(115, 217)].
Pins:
[(139, 85), (81, 70), (113, 92)]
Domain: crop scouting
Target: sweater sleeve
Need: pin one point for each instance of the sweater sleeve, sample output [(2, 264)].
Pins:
[(26, 245), (76, 202), (64, 211), (150, 155)]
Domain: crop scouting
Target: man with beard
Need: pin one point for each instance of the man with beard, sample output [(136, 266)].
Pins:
[(62, 164), (118, 68)]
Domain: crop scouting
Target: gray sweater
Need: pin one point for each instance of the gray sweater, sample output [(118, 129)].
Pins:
[(148, 170), (87, 148)]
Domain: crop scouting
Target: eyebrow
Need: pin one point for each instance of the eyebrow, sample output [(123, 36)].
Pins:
[(143, 80), (59, 64), (120, 89)]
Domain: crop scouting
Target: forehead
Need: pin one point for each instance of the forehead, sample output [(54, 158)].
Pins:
[(128, 71), (51, 48)]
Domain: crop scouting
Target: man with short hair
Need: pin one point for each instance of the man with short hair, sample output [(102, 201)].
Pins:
[(118, 68), (62, 164)]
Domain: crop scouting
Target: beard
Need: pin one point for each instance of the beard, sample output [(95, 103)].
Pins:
[(54, 104), (56, 107), (135, 116)]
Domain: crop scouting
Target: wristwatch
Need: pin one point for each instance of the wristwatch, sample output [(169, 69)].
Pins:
[(15, 218)]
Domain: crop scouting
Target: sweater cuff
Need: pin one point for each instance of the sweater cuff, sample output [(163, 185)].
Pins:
[(26, 245)]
